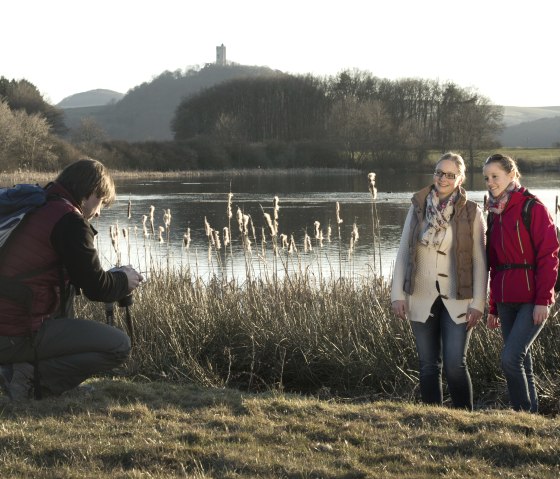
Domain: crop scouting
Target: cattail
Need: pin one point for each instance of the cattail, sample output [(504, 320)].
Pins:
[(187, 238), (338, 218), (355, 233), (307, 243), (371, 185), (229, 212), (292, 248), (226, 236), (216, 239), (284, 240), (129, 213), (152, 209), (161, 229), (250, 221), (318, 233), (245, 223), (329, 233), (207, 228), (276, 207), (270, 224), (114, 232), (144, 228), (167, 218), (240, 220)]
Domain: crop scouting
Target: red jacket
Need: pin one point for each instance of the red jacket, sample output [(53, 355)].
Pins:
[(29, 250), (54, 236), (510, 243)]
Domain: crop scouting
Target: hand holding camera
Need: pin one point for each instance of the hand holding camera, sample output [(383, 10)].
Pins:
[(133, 276)]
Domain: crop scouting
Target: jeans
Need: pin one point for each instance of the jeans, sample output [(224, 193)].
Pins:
[(441, 342), (519, 332)]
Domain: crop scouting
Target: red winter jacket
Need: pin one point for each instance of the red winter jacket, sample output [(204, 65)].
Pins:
[(510, 243)]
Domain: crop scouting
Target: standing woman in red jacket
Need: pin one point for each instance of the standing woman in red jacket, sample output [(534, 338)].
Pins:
[(523, 269)]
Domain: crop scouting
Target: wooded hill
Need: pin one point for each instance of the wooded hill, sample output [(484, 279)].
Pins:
[(146, 111)]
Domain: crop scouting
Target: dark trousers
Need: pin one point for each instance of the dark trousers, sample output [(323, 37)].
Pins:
[(68, 351)]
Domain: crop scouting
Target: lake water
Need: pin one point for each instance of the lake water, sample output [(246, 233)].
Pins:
[(304, 199)]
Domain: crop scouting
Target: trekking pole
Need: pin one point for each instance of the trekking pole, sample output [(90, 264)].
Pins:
[(126, 303), (110, 313)]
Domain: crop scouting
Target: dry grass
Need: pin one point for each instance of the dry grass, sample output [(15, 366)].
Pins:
[(337, 338), (161, 430)]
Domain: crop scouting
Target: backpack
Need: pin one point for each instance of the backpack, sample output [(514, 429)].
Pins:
[(15, 203), (526, 220)]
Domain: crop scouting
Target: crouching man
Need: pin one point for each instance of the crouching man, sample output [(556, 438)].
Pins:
[(44, 350)]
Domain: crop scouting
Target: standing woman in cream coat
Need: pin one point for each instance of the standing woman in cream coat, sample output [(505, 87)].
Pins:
[(440, 280)]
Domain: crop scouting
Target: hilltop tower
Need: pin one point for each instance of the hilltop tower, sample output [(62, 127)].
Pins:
[(221, 55)]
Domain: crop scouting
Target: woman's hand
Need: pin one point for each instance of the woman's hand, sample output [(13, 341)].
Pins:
[(493, 321), (473, 315), (540, 313), (399, 308)]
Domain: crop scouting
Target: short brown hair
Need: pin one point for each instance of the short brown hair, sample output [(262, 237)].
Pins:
[(86, 177)]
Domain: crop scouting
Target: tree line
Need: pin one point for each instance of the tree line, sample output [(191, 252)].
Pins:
[(366, 118), (353, 119)]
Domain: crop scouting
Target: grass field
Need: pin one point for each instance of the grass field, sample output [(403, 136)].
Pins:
[(142, 429)]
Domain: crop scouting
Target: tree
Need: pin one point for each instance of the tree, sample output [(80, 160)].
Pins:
[(23, 95)]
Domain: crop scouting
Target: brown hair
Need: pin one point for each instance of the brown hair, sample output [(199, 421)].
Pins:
[(86, 177), (507, 163)]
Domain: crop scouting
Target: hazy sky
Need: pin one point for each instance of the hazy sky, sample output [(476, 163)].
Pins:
[(506, 49)]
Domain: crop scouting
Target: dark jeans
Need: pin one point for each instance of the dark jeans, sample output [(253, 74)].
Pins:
[(69, 351), (440, 342), (519, 332)]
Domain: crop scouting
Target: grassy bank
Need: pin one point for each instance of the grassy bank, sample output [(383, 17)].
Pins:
[(161, 430), (528, 159), (331, 338)]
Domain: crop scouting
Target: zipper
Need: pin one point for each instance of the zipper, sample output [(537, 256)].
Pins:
[(504, 251), (522, 254)]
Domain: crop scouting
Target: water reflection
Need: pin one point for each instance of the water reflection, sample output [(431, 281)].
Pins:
[(303, 198)]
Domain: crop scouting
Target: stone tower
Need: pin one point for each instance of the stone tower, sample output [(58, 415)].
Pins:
[(221, 55)]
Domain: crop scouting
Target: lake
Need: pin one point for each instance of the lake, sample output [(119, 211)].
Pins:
[(304, 198)]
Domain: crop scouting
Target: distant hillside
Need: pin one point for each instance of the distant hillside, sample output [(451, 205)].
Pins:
[(541, 133), (513, 115), (91, 98), (146, 111)]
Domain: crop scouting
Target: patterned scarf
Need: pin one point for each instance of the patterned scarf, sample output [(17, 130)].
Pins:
[(497, 205), (438, 214)]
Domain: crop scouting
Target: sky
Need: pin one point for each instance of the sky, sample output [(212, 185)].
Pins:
[(507, 50)]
